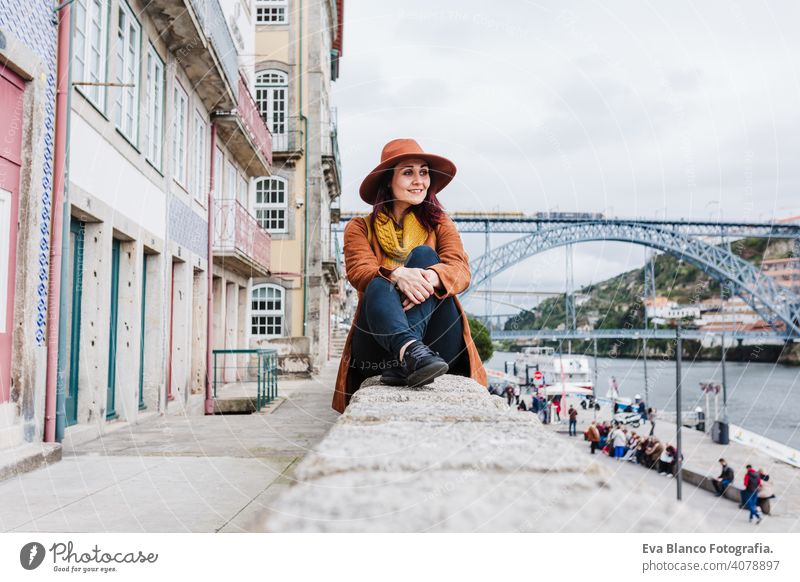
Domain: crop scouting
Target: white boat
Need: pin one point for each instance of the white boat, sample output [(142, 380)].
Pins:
[(496, 377), (561, 373)]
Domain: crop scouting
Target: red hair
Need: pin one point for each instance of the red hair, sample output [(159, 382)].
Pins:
[(429, 212)]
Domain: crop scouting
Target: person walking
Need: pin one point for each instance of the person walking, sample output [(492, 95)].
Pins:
[(752, 481), (725, 478), (593, 435), (509, 394), (651, 416), (557, 408), (408, 264), (573, 421), (620, 439), (517, 392)]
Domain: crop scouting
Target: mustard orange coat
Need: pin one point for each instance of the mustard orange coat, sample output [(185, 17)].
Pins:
[(363, 260)]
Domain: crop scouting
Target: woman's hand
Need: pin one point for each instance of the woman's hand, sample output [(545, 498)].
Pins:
[(413, 284), (432, 277)]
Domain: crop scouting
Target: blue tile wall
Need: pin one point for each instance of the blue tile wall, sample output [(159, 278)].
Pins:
[(32, 23), (187, 228)]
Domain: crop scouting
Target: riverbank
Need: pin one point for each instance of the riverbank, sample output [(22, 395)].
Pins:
[(787, 354), (762, 397)]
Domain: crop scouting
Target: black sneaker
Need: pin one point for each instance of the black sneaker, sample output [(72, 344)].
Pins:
[(394, 376), (422, 365)]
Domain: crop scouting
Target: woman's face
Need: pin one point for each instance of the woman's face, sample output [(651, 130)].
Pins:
[(410, 182)]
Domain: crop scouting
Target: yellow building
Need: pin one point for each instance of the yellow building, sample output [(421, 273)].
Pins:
[(298, 46)]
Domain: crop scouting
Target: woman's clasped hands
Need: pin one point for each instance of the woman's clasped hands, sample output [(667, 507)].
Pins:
[(415, 285)]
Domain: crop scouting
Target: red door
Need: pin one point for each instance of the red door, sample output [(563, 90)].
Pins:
[(11, 89)]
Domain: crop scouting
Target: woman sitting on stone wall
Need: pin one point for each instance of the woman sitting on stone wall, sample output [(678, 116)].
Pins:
[(407, 262)]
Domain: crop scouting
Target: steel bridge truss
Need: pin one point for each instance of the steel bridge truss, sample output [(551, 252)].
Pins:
[(772, 302)]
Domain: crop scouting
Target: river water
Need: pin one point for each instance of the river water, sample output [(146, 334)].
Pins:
[(763, 398)]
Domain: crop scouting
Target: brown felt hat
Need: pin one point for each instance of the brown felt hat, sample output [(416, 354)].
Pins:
[(394, 152)]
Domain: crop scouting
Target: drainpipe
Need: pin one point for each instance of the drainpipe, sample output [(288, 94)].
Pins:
[(305, 164), (59, 239), (209, 407)]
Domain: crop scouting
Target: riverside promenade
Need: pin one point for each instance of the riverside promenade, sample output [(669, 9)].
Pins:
[(175, 473), (701, 455)]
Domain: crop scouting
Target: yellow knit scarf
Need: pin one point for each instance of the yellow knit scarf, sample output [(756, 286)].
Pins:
[(397, 244)]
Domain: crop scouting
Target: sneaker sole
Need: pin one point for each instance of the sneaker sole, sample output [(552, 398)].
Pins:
[(427, 374), (392, 381)]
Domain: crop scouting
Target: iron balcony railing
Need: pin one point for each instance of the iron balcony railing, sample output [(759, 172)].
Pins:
[(237, 231), (247, 367), (330, 141), (287, 134), (212, 21), (248, 111)]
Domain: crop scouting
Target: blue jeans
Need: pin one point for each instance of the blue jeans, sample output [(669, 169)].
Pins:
[(752, 500), (573, 427), (383, 327)]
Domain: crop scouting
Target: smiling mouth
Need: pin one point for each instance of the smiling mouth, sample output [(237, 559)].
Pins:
[(417, 191)]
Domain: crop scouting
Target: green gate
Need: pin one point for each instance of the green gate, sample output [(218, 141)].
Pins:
[(76, 234), (264, 373), (142, 405), (112, 334)]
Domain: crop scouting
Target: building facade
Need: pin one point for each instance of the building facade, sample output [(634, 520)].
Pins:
[(159, 107), (27, 102), (298, 50)]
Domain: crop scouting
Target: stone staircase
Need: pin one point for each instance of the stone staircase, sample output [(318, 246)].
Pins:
[(338, 339)]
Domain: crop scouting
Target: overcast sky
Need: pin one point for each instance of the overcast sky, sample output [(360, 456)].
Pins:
[(631, 108)]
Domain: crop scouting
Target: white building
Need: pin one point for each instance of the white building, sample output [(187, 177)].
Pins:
[(159, 103)]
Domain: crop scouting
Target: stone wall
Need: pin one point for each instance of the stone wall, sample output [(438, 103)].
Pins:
[(451, 458)]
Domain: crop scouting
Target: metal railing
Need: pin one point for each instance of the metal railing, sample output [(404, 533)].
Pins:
[(248, 366), (330, 141), (235, 229), (288, 140), (212, 20), (248, 112)]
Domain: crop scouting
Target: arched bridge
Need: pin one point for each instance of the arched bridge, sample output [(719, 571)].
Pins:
[(762, 293)]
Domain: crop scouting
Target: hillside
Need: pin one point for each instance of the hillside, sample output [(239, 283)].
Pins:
[(617, 302)]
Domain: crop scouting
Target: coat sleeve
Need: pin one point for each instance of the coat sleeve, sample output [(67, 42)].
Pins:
[(453, 268), (361, 264)]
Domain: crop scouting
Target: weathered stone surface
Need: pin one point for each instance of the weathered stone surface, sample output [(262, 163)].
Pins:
[(450, 457), (467, 501), (506, 447)]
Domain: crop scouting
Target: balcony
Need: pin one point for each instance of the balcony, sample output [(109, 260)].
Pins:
[(240, 244), (287, 144), (244, 133), (196, 32), (331, 160), (332, 265)]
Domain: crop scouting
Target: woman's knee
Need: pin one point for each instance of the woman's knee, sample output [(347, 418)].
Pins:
[(379, 285), (422, 257)]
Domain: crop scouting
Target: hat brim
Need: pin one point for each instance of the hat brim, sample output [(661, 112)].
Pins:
[(442, 169)]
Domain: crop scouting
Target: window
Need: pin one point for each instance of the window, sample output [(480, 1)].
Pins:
[(243, 192), (272, 90), (266, 313), (219, 171), (181, 106), (271, 204), (155, 107), (199, 166), (230, 187), (126, 110), (271, 11), (89, 57)]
